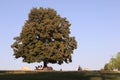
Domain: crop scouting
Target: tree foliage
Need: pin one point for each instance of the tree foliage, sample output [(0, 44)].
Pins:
[(45, 37), (107, 67), (114, 63)]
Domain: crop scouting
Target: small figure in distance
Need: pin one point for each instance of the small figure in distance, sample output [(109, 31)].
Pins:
[(60, 69), (79, 68)]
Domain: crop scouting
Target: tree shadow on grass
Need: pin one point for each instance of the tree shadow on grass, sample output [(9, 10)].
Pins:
[(46, 76), (57, 75)]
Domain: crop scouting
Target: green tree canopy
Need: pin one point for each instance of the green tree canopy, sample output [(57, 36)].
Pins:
[(107, 67), (114, 63), (45, 37)]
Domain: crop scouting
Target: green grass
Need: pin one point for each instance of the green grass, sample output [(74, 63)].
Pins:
[(57, 75)]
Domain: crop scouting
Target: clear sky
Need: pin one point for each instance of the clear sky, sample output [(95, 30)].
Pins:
[(95, 24)]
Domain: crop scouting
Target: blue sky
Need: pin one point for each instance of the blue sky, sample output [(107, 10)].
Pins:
[(95, 24)]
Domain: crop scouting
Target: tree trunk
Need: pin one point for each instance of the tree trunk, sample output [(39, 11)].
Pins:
[(44, 64)]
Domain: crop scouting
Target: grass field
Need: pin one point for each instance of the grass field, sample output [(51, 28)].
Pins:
[(59, 75)]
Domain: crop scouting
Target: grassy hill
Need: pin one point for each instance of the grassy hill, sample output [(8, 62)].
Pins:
[(59, 75)]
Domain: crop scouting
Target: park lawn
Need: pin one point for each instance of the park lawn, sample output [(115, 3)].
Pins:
[(59, 75)]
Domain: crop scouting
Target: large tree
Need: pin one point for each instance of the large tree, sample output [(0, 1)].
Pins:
[(45, 37)]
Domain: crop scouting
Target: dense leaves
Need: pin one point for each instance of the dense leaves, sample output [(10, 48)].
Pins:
[(45, 37), (114, 63)]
